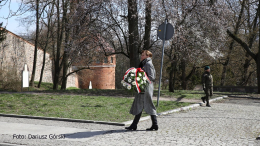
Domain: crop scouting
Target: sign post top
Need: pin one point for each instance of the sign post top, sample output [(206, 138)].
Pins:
[(168, 32)]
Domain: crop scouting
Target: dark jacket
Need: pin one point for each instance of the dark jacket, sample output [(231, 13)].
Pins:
[(207, 80)]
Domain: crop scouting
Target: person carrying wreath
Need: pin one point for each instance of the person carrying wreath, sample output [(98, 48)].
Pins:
[(143, 101)]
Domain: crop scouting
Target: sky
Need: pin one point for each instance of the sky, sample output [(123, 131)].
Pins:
[(12, 24)]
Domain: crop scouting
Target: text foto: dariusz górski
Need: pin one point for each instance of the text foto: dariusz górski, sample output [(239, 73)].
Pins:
[(39, 136)]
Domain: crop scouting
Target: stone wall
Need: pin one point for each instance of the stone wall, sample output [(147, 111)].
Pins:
[(72, 80), (15, 52)]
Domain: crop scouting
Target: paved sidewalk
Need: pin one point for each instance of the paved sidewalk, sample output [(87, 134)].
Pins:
[(229, 122)]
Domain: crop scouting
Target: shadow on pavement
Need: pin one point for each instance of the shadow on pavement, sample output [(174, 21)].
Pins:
[(88, 134)]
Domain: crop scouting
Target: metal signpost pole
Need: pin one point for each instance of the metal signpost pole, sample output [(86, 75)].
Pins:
[(159, 89)]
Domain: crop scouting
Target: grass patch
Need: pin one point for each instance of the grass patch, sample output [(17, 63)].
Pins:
[(98, 108), (44, 86), (188, 94), (88, 104)]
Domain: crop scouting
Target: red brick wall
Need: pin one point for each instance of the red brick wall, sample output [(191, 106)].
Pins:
[(101, 75)]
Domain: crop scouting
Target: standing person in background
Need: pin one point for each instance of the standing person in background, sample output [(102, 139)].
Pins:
[(207, 84), (144, 100)]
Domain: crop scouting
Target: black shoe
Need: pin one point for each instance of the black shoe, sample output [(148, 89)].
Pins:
[(154, 123), (208, 105), (154, 127), (203, 99), (132, 127)]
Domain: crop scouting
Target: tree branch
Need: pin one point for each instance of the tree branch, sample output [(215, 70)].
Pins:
[(77, 71), (243, 44)]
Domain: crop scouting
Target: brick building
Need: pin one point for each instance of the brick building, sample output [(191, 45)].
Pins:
[(101, 74)]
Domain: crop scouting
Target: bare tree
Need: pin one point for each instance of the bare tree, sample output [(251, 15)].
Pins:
[(253, 21), (127, 26), (198, 33), (231, 46), (45, 42), (82, 42), (35, 44)]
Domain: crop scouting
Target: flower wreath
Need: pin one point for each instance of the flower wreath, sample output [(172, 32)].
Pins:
[(135, 79)]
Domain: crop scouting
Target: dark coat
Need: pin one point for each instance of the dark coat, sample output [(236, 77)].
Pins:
[(207, 83), (144, 101), (207, 80)]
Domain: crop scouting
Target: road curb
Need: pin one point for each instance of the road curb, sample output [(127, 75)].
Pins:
[(178, 109), (9, 144), (245, 97), (61, 119), (191, 106)]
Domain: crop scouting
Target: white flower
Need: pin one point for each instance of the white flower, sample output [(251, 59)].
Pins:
[(129, 87), (139, 74), (144, 78), (138, 79), (141, 82), (133, 83), (129, 80), (125, 76), (124, 84), (133, 70), (132, 75)]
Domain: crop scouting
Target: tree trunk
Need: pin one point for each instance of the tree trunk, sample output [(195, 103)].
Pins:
[(65, 54), (172, 75), (65, 70), (148, 21), (183, 77), (45, 48), (245, 76), (36, 44), (171, 86), (133, 33), (57, 58), (60, 28), (258, 54), (43, 65), (223, 76)]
